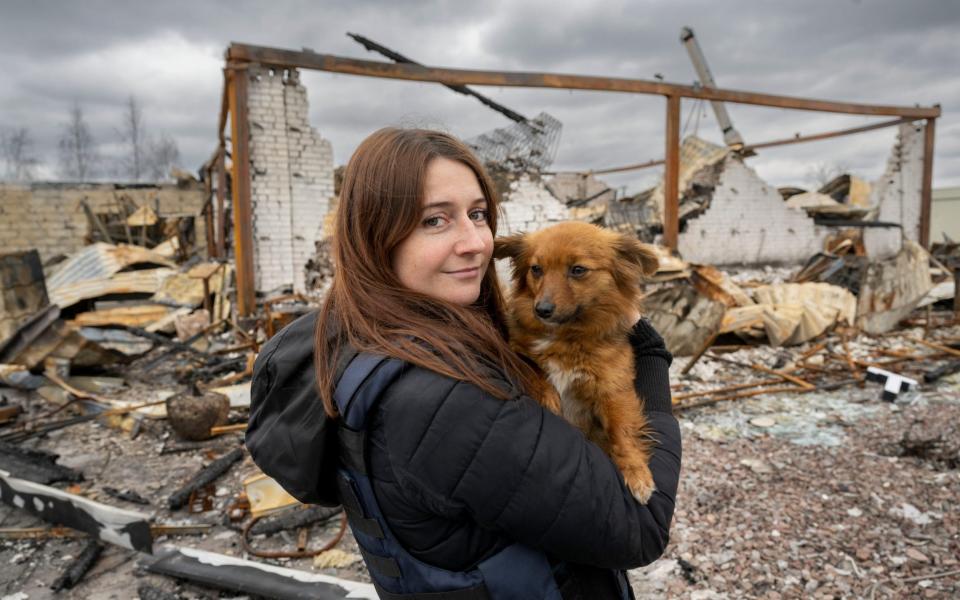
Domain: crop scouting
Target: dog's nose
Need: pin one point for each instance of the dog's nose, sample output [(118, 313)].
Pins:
[(544, 309)]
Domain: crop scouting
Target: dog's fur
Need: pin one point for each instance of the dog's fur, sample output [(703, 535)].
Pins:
[(591, 278)]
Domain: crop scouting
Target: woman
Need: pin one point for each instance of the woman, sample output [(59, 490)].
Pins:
[(455, 481)]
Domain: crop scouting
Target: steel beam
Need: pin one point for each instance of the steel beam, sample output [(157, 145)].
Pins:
[(671, 175), (337, 64), (242, 211), (221, 229), (926, 192)]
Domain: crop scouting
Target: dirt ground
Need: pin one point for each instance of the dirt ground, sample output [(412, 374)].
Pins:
[(822, 495)]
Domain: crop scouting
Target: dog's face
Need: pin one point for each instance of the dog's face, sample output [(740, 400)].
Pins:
[(567, 272)]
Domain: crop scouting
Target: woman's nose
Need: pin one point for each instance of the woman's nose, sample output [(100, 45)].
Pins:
[(469, 238)]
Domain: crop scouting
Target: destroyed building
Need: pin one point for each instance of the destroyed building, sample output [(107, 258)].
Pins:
[(126, 356)]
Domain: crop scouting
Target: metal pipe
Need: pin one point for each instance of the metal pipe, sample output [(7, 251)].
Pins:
[(730, 135), (338, 64), (671, 176), (926, 192), (242, 212)]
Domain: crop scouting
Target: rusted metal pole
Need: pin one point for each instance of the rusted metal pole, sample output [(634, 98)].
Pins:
[(827, 135), (338, 64), (783, 142), (242, 211), (926, 193), (221, 229), (671, 175)]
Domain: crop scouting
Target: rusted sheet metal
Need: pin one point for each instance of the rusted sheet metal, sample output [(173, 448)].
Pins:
[(338, 64), (99, 261), (145, 281), (45, 335), (242, 210), (671, 176), (117, 526), (134, 316)]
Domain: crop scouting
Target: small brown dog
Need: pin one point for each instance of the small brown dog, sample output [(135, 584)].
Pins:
[(575, 298)]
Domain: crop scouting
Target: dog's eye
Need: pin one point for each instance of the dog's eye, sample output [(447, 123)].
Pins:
[(578, 271), (536, 271)]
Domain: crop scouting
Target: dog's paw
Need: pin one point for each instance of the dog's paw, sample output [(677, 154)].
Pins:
[(641, 485)]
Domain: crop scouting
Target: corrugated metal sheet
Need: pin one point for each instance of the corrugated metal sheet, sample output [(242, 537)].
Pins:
[(100, 261), (146, 281)]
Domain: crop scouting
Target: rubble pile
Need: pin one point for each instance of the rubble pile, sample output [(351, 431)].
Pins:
[(819, 405)]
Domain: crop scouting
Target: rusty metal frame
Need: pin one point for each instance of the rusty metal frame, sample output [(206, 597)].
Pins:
[(242, 208), (238, 55)]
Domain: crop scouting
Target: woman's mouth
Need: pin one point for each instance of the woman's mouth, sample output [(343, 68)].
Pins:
[(468, 273)]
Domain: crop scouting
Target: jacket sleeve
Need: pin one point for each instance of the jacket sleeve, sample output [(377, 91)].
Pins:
[(523, 471)]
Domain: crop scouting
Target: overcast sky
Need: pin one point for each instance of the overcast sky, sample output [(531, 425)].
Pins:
[(169, 55)]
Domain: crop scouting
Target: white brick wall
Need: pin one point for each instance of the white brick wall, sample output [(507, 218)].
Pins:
[(292, 178), (748, 222), (897, 192), (529, 206)]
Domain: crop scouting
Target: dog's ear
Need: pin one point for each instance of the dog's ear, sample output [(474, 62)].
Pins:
[(636, 253), (510, 246)]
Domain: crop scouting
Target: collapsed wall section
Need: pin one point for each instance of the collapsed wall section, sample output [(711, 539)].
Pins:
[(528, 206), (291, 178), (748, 222)]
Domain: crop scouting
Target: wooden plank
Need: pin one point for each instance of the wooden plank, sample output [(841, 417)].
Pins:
[(338, 64), (671, 176)]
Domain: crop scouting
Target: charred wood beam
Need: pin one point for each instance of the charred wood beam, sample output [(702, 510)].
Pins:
[(204, 477), (294, 519), (78, 567), (246, 53), (460, 89), (247, 577), (35, 465), (126, 495), (941, 371)]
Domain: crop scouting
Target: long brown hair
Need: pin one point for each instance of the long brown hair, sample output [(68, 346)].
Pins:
[(369, 309)]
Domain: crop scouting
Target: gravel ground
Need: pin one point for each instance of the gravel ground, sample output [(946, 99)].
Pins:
[(821, 495)]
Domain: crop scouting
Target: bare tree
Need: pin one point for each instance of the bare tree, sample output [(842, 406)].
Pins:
[(822, 173), (78, 151), (133, 134), (163, 157), (16, 148)]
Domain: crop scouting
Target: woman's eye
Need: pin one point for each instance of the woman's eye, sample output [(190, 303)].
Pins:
[(433, 221), (578, 271), (536, 271), (479, 215)]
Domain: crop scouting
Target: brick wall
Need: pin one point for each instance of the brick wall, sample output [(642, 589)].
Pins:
[(529, 206), (48, 217), (748, 222), (292, 178), (897, 192)]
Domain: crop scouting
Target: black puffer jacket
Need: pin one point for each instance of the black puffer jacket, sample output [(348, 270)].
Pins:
[(460, 475)]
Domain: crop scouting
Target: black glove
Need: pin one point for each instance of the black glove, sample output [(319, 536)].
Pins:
[(651, 362)]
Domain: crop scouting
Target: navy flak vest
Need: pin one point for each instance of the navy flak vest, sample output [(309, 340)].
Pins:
[(515, 573)]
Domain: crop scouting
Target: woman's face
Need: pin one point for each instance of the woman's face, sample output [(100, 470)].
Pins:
[(447, 254)]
